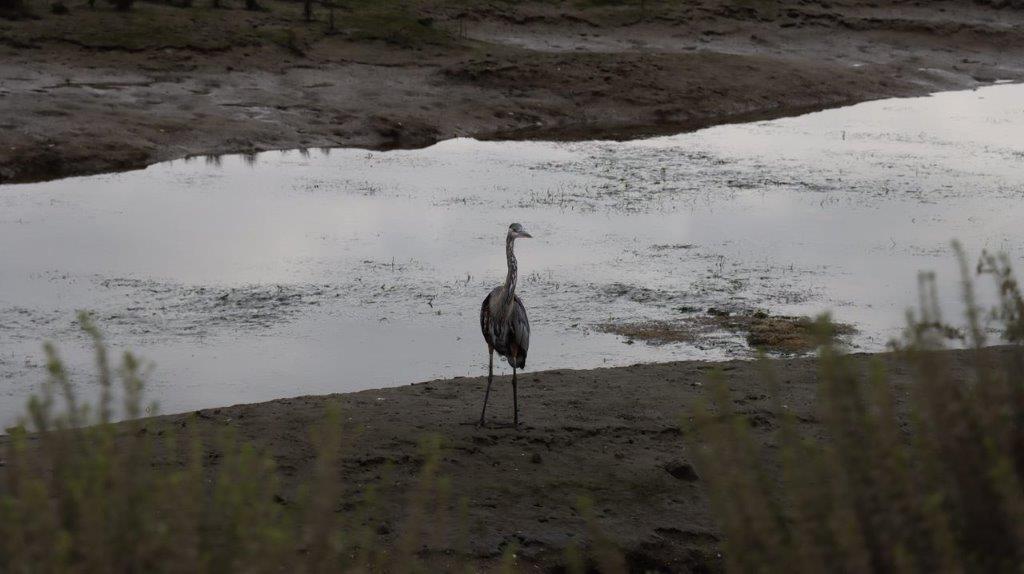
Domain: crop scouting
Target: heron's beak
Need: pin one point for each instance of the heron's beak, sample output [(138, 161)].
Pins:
[(524, 234)]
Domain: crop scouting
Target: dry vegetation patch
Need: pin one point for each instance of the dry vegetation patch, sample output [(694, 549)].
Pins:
[(652, 332), (770, 333)]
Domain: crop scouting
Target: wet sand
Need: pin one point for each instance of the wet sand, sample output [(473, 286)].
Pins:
[(96, 91), (616, 436)]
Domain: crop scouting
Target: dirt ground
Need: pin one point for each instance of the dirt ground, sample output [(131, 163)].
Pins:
[(96, 90), (617, 437)]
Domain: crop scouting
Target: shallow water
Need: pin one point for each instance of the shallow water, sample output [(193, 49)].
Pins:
[(250, 278)]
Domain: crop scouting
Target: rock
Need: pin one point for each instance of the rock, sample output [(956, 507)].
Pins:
[(681, 470)]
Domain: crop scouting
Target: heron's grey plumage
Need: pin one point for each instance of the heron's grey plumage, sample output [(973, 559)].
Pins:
[(510, 334), (504, 323)]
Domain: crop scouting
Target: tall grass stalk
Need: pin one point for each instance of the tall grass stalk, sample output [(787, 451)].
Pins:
[(81, 493), (924, 478)]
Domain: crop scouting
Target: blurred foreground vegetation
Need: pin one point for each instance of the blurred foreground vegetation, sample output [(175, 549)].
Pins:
[(84, 494), (930, 480), (926, 478)]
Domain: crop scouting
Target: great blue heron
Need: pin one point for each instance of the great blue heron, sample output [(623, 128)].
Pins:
[(504, 324)]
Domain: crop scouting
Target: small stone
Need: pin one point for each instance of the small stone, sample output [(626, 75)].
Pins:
[(682, 471)]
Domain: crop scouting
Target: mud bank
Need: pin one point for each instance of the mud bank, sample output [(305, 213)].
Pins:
[(614, 436), (95, 91)]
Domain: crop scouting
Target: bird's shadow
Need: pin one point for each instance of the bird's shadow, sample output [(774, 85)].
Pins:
[(492, 426)]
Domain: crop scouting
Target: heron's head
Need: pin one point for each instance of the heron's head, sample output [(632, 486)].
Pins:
[(516, 231)]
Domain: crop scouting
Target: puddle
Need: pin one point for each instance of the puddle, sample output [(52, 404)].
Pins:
[(247, 278)]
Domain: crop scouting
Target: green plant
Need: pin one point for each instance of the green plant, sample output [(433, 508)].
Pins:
[(80, 492), (392, 21), (922, 479)]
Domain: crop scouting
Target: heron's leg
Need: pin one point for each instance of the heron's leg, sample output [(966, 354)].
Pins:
[(515, 399), (490, 377)]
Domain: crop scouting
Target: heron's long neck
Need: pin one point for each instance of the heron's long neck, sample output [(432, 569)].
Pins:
[(510, 279)]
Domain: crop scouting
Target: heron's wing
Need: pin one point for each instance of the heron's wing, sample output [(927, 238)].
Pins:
[(520, 328), (485, 320)]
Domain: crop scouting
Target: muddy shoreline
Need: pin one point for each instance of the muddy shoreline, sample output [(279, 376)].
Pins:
[(615, 436), (95, 91)]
